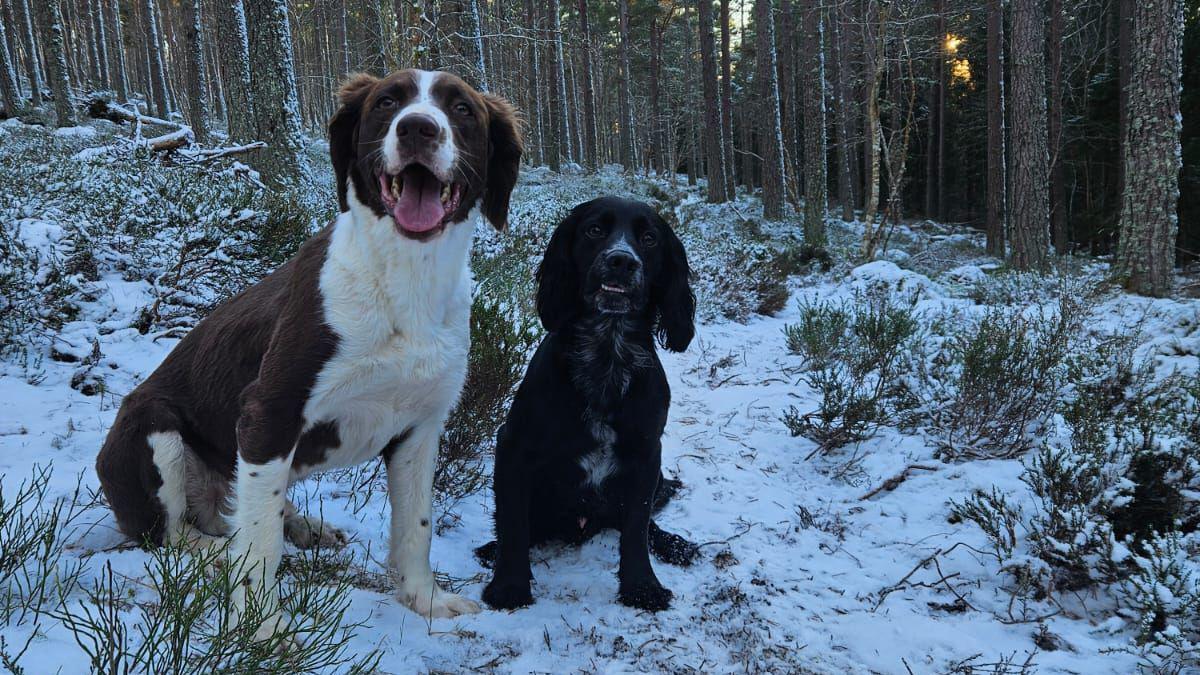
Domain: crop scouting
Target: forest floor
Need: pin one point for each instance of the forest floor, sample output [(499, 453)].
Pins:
[(807, 565)]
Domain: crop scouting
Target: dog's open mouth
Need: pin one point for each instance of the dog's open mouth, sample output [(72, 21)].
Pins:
[(613, 298), (419, 202)]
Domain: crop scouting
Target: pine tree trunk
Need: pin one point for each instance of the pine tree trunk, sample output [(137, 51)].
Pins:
[(56, 58), (33, 66), (235, 70), (996, 224), (477, 31), (714, 161), (564, 114), (625, 98), (932, 136), (816, 198), (727, 101), (1152, 156), (589, 92), (548, 91), (118, 68), (96, 10), (1031, 176), (1058, 198), (158, 74), (842, 90), (770, 131), (277, 121), (9, 89), (656, 112), (197, 73)]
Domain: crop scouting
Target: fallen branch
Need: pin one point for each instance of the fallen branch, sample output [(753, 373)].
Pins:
[(895, 481), (100, 108), (206, 154)]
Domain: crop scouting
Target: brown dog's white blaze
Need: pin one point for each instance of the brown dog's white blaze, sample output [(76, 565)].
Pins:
[(417, 200)]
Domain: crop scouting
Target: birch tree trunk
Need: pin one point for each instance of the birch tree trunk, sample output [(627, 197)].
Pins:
[(996, 221), (771, 134), (277, 120), (816, 197), (873, 20), (33, 67), (1030, 189), (714, 160), (477, 29), (235, 69), (1152, 156)]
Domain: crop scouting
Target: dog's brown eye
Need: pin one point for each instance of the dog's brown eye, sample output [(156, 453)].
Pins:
[(385, 103), (595, 231), (649, 239), (463, 109)]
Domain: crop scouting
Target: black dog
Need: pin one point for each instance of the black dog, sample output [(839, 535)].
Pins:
[(580, 450)]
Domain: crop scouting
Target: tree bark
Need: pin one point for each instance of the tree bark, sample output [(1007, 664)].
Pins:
[(714, 161), (197, 73), (56, 59), (842, 89), (1058, 197), (33, 67), (235, 69), (727, 101), (118, 68), (564, 114), (625, 95), (770, 130), (96, 9), (1152, 156), (9, 89), (158, 73), (873, 60), (933, 158), (1030, 189), (996, 221), (271, 62), (816, 197), (589, 93)]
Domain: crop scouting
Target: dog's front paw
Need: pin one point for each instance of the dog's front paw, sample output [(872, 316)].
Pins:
[(428, 599), (486, 554), (648, 595), (674, 549), (505, 595)]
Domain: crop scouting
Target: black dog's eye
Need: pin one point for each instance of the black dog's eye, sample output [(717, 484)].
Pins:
[(594, 231), (385, 103), (463, 109), (649, 239)]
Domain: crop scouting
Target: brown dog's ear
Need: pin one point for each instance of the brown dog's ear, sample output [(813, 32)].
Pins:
[(343, 129), (504, 159)]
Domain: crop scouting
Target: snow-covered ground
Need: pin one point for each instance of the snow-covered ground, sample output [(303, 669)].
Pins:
[(806, 567)]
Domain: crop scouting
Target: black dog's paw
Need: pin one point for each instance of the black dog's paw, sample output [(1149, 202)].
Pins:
[(486, 554), (673, 549), (648, 595), (503, 595), (667, 488)]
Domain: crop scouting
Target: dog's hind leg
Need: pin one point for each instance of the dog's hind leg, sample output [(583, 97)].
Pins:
[(142, 472), (667, 487), (671, 548), (309, 532)]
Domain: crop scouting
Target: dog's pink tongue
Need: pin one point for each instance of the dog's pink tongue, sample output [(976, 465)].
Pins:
[(419, 208)]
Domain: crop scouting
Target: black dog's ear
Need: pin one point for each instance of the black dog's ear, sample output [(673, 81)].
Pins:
[(343, 129), (558, 281), (504, 159), (672, 294)]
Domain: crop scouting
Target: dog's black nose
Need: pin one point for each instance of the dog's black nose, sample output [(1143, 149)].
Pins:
[(623, 262), (417, 126)]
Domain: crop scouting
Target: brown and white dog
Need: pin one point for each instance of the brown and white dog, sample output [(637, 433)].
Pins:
[(354, 349)]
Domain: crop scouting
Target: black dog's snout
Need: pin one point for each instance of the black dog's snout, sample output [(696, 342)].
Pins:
[(413, 128), (622, 262)]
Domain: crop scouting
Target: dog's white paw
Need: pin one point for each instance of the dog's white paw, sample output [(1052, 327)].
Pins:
[(431, 602), (308, 532)]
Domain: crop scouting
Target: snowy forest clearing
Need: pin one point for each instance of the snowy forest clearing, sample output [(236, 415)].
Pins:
[(847, 548)]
